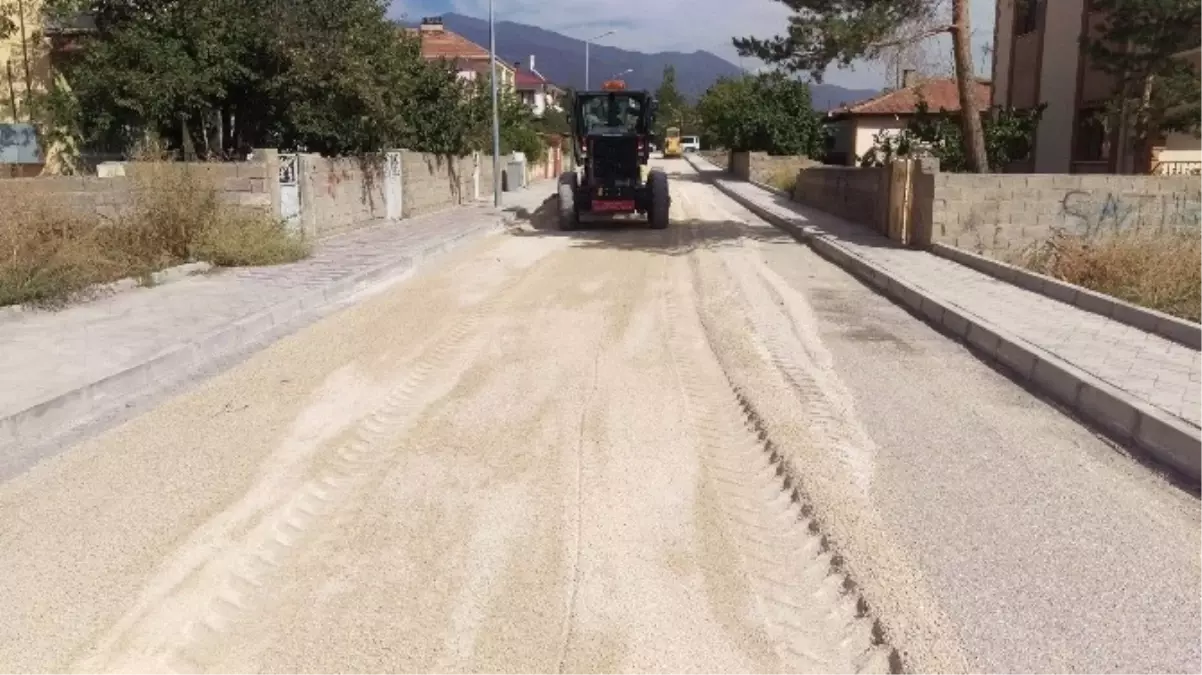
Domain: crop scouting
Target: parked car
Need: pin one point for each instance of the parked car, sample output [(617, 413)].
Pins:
[(690, 143)]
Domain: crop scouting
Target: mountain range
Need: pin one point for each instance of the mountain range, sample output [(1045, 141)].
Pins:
[(560, 59)]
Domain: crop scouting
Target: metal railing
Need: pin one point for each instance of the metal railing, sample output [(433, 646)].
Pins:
[(1181, 168)]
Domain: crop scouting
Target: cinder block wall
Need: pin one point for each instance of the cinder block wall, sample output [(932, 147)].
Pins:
[(858, 195), (740, 165), (244, 184), (486, 177), (433, 182), (719, 158), (1001, 214), (341, 194), (762, 167)]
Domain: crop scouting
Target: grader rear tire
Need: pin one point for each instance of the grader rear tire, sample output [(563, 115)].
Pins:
[(661, 200)]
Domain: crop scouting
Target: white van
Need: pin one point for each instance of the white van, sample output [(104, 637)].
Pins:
[(690, 143)]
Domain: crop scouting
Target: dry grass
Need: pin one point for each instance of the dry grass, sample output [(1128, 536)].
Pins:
[(53, 254), (719, 158), (783, 179), (1161, 271)]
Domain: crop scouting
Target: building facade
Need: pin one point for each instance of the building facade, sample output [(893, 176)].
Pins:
[(855, 127), (470, 59), (1038, 58), (537, 91)]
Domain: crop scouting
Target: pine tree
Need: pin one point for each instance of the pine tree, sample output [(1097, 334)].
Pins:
[(1157, 92), (671, 104)]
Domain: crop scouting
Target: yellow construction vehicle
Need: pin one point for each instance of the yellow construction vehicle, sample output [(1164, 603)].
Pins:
[(672, 142)]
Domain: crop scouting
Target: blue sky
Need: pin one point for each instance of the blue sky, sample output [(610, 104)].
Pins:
[(679, 25)]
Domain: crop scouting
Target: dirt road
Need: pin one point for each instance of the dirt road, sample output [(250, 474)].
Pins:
[(608, 450)]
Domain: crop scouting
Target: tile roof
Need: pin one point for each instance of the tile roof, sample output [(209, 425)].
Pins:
[(529, 79), (937, 94), (444, 44)]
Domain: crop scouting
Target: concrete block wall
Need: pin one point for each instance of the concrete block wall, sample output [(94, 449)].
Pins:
[(485, 176), (243, 184), (336, 194), (719, 158), (85, 196), (340, 194), (762, 167), (858, 195), (434, 182), (1002, 214)]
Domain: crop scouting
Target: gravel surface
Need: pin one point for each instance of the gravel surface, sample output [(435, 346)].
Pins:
[(622, 450)]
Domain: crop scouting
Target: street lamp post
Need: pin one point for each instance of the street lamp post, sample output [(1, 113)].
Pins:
[(587, 44), (496, 119)]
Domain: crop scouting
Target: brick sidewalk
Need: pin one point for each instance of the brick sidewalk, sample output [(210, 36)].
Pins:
[(48, 355), (1147, 366)]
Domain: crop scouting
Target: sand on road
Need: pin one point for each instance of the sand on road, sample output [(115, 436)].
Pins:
[(528, 459), (610, 450)]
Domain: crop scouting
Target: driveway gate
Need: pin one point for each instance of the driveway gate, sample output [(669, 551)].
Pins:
[(290, 206)]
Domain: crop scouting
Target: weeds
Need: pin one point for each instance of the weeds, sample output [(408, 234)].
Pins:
[(1157, 270), (53, 254), (784, 179)]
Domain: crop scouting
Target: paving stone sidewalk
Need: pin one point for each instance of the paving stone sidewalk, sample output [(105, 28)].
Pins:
[(1149, 367), (48, 354)]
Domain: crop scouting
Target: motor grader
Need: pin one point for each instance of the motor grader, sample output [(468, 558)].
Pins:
[(672, 142), (611, 146)]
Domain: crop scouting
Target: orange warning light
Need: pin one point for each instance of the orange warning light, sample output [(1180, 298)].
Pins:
[(613, 85)]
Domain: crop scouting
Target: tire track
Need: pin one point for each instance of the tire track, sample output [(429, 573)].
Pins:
[(811, 609), (194, 609), (806, 365), (787, 331)]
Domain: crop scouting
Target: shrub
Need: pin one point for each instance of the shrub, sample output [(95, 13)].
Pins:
[(783, 178), (53, 254), (1153, 269)]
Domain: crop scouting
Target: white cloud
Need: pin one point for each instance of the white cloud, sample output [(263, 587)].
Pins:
[(673, 25)]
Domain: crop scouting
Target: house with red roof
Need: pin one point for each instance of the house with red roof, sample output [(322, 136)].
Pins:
[(470, 59), (537, 91), (855, 126)]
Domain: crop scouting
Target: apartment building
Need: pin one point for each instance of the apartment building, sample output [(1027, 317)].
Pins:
[(27, 67), (1038, 58)]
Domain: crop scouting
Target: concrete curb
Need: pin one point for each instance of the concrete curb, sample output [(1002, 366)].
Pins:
[(43, 422), (1164, 437), (163, 276), (768, 188), (1148, 320)]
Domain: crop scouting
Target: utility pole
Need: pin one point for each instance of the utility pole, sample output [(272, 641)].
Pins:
[(496, 119), (587, 43)]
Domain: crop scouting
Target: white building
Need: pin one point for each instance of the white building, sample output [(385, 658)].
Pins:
[(535, 90)]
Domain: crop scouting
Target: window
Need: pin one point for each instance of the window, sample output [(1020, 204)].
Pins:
[(615, 113), (1091, 145), (1026, 16)]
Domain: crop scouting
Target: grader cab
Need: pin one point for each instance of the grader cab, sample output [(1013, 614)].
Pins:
[(612, 130)]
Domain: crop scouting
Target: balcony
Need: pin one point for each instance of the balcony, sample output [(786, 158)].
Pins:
[(1177, 168)]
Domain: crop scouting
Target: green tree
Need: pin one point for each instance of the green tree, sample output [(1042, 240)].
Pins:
[(214, 76), (554, 121), (768, 113), (10, 17), (673, 107), (1135, 41), (825, 32), (155, 67), (520, 130), (1009, 137)]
